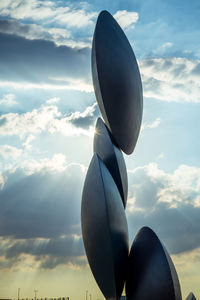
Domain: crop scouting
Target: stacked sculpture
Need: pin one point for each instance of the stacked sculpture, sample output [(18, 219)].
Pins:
[(148, 270)]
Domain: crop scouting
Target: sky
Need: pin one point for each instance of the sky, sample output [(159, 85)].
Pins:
[(48, 112)]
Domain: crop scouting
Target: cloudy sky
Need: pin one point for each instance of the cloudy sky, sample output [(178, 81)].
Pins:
[(47, 116)]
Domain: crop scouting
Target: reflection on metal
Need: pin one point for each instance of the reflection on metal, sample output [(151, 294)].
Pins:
[(104, 228), (117, 82), (151, 273), (191, 296), (112, 158)]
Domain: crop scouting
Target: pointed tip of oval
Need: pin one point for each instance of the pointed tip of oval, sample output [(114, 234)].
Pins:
[(147, 232), (104, 14), (99, 121), (146, 229)]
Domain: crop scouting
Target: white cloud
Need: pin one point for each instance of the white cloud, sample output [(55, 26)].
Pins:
[(76, 123), (60, 84), (152, 125), (27, 144), (177, 188), (48, 165), (34, 31), (55, 164), (49, 119), (183, 186), (8, 99), (46, 10), (163, 48), (74, 18), (167, 45), (169, 203), (30, 122), (161, 155), (54, 22), (53, 100), (18, 9), (126, 18), (78, 84), (87, 113), (1, 181), (171, 79), (60, 36), (7, 151)]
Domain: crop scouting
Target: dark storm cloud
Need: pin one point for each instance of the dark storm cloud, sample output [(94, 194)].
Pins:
[(52, 262), (33, 31), (40, 216), (40, 61), (177, 228), (60, 247), (176, 222), (50, 253), (41, 205), (14, 27), (40, 213)]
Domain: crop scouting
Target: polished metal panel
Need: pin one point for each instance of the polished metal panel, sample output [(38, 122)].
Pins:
[(104, 229), (191, 296), (117, 82), (112, 158), (151, 273)]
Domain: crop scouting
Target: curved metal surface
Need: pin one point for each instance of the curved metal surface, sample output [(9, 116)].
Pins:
[(151, 273), (104, 229), (191, 296), (117, 82), (112, 158)]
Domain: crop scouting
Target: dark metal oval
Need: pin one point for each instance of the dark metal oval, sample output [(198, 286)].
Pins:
[(191, 296), (117, 82), (151, 273), (112, 158), (104, 229)]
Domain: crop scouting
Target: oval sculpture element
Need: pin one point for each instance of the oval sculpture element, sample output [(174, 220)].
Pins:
[(104, 229), (112, 158), (151, 273), (117, 82), (191, 296)]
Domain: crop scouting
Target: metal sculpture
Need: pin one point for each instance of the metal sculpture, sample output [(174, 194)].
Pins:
[(151, 273), (104, 227), (117, 82), (191, 296), (112, 157), (148, 270)]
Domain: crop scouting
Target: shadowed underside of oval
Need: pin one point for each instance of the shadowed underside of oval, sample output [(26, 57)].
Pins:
[(112, 158), (104, 229), (191, 296), (151, 273), (117, 82)]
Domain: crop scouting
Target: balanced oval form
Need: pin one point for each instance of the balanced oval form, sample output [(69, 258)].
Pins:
[(117, 82), (104, 229), (151, 273), (191, 296), (112, 158)]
